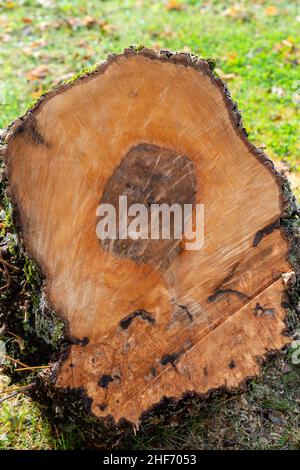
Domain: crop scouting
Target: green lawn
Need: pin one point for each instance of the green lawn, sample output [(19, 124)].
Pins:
[(257, 49)]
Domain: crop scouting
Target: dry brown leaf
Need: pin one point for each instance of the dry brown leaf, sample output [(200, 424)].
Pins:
[(287, 43), (271, 10), (5, 37), (231, 56), (89, 21), (156, 47), (225, 76), (168, 32), (88, 53), (83, 43), (27, 20), (27, 50), (237, 12), (38, 44), (37, 93), (72, 22), (174, 5), (107, 27), (39, 72)]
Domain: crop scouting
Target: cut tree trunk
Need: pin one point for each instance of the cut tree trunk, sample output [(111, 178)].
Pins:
[(149, 319)]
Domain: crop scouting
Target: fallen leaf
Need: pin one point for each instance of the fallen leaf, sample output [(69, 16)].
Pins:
[(73, 23), (108, 28), (156, 47), (276, 418), (38, 44), (276, 117), (5, 37), (237, 12), (27, 50), (168, 33), (83, 43), (38, 73), (89, 21), (287, 43), (31, 48), (231, 56), (88, 53), (225, 76), (174, 5), (36, 94), (271, 10)]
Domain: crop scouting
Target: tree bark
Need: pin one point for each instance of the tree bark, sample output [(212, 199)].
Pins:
[(138, 321)]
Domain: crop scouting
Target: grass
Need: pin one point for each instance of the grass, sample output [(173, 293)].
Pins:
[(256, 46)]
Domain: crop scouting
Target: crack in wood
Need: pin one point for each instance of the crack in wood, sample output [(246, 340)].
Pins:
[(143, 314), (220, 290), (186, 311)]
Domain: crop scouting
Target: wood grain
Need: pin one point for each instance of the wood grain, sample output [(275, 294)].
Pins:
[(152, 329)]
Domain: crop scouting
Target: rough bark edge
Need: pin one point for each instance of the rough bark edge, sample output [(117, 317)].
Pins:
[(289, 221)]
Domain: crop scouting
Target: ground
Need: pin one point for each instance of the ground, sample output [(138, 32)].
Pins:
[(257, 51)]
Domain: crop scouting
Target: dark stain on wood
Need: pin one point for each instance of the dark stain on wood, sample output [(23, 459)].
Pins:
[(149, 174), (102, 406), (30, 128), (260, 311), (222, 290), (186, 311), (84, 341), (171, 358), (143, 314), (105, 380), (265, 231)]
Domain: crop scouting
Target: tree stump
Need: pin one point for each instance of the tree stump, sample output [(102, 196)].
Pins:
[(149, 319)]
